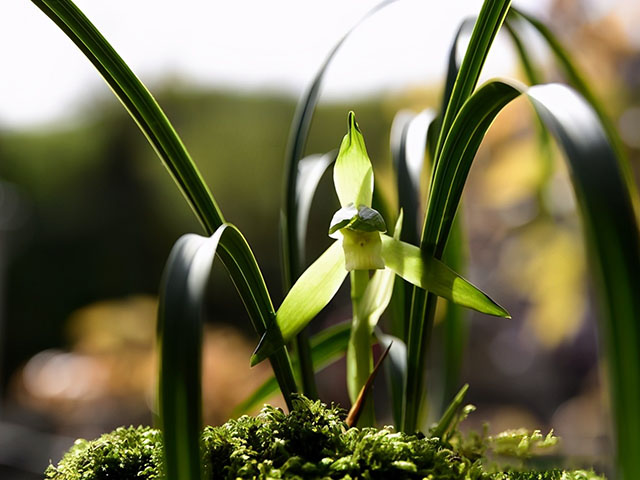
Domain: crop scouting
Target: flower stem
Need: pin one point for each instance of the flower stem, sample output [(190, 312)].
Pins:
[(359, 354)]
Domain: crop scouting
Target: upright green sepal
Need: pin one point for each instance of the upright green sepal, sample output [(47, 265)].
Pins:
[(353, 173)]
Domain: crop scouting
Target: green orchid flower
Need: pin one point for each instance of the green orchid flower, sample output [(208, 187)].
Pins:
[(361, 246)]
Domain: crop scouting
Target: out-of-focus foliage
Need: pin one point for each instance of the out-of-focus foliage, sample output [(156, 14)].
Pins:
[(109, 368), (521, 443), (94, 186)]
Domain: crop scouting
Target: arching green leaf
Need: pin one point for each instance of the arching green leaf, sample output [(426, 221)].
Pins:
[(608, 216), (408, 142), (310, 171), (487, 25)]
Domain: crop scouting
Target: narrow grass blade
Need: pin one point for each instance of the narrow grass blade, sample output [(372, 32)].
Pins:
[(447, 418), (326, 347), (180, 343), (457, 154), (532, 74), (534, 77), (453, 67), (309, 295), (577, 80), (396, 371), (454, 328), (434, 276)]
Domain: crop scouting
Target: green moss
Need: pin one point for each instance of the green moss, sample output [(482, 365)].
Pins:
[(125, 453), (549, 475), (312, 442)]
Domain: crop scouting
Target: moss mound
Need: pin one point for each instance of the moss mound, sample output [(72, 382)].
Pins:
[(310, 443)]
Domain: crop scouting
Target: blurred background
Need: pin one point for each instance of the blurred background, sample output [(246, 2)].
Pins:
[(88, 214)]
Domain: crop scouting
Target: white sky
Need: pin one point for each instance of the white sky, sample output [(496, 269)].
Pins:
[(247, 44)]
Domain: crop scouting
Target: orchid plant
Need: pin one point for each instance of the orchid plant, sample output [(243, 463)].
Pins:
[(362, 246), (605, 191)]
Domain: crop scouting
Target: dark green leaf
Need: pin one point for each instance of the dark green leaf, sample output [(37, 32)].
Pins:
[(487, 25), (408, 148), (610, 225), (156, 127), (484, 32), (310, 171), (613, 242), (181, 297)]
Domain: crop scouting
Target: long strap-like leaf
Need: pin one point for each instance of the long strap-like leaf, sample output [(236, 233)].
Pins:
[(310, 171), (485, 30), (180, 345), (577, 80), (423, 306), (140, 104), (614, 246), (182, 296), (163, 138), (609, 221)]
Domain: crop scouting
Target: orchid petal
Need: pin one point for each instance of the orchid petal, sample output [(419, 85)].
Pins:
[(309, 295), (431, 274)]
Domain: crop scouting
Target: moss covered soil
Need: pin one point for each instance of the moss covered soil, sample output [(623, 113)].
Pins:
[(312, 442)]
